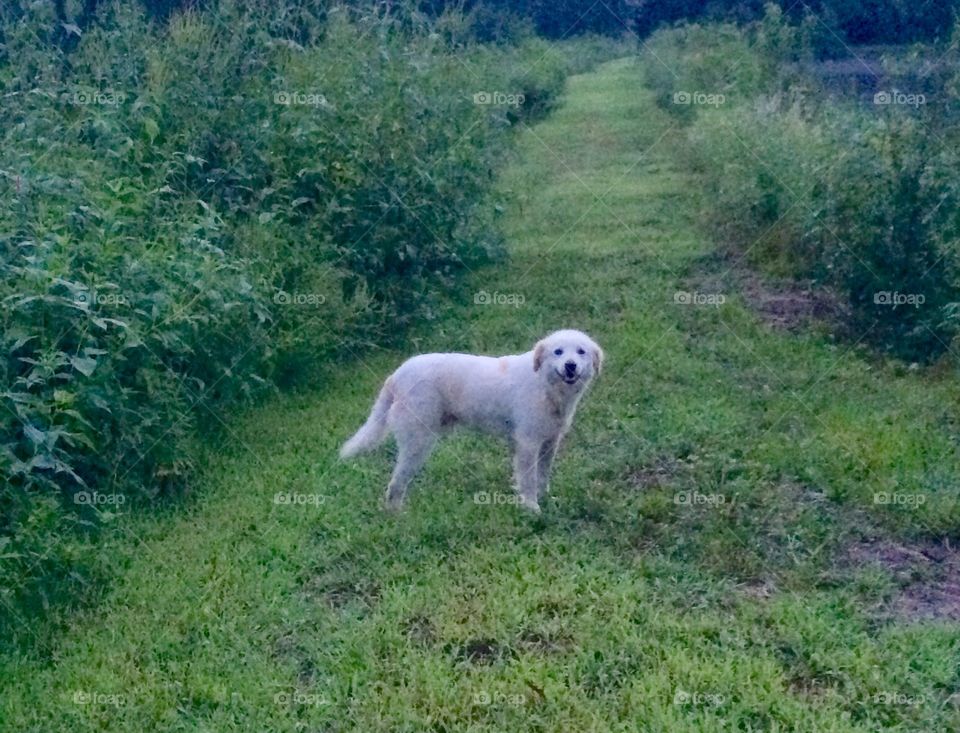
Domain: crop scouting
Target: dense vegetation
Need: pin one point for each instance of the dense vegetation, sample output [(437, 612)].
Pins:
[(196, 211), (202, 201), (711, 557), (856, 192), (839, 22)]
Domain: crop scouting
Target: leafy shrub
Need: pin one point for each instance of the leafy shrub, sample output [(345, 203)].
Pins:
[(701, 59), (860, 199), (847, 202), (758, 163), (556, 19), (839, 23), (880, 21), (188, 210)]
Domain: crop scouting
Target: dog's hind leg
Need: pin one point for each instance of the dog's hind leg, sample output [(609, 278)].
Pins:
[(413, 449)]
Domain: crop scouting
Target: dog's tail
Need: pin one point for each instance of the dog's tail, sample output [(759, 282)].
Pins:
[(374, 430)]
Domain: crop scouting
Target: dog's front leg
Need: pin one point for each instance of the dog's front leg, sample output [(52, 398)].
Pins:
[(548, 450), (525, 462)]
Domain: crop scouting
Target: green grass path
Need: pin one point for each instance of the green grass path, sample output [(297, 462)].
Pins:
[(624, 607)]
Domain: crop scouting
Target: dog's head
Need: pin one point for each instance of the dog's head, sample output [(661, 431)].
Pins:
[(568, 357)]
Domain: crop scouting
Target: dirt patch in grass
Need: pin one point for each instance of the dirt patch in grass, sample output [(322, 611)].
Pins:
[(779, 302), (927, 575), (542, 643), (341, 593), (480, 651), (810, 689), (287, 647), (654, 474), (420, 630), (788, 305), (759, 590)]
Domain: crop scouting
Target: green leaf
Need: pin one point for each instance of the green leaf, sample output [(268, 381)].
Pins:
[(20, 342), (37, 436), (63, 397), (151, 127), (83, 364), (42, 461)]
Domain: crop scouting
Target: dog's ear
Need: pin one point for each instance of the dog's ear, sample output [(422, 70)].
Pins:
[(597, 359), (538, 355)]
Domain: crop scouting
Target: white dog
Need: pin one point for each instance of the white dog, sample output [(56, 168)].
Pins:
[(527, 398)]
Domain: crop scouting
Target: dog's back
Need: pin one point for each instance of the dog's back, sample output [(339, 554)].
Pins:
[(441, 390)]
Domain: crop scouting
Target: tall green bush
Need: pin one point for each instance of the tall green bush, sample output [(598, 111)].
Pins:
[(859, 198), (195, 211)]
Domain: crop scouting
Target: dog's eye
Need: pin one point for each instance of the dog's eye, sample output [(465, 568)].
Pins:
[(581, 352), (558, 352)]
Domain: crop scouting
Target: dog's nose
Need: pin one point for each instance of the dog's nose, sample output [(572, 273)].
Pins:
[(570, 368)]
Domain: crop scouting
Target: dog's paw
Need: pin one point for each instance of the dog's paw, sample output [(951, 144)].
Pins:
[(531, 505), (392, 503)]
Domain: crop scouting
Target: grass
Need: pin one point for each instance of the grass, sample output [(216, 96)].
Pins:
[(618, 610)]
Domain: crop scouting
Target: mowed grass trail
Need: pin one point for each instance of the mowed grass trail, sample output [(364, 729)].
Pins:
[(705, 561)]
